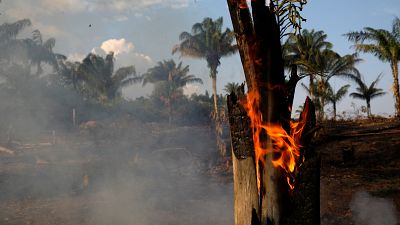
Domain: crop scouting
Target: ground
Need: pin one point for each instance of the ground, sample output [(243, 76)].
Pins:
[(154, 174), (375, 168), (159, 174)]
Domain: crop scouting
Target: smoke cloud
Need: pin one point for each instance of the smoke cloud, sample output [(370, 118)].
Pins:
[(370, 210), (117, 46)]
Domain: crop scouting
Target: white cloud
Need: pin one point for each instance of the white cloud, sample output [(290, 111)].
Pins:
[(117, 46), (125, 54), (145, 57)]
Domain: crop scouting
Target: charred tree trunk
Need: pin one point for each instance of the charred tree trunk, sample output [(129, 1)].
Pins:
[(258, 38), (245, 184)]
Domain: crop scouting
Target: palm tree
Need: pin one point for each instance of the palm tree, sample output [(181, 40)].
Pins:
[(37, 50), (98, 80), (68, 72), (385, 45), (327, 64), (231, 87), (9, 31), (42, 51), (334, 97), (9, 43), (208, 41), (300, 48), (169, 79), (318, 95), (366, 92), (314, 55)]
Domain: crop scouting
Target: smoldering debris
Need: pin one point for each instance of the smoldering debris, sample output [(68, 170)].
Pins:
[(370, 210)]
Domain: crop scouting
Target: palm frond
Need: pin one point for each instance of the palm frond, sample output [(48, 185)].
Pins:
[(49, 44), (357, 95), (378, 94), (396, 28), (37, 37), (10, 31), (123, 73)]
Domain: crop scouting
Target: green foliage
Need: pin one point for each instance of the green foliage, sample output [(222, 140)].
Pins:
[(382, 43), (335, 97), (367, 93), (385, 45), (288, 14), (302, 46), (231, 87), (95, 78), (207, 41), (314, 55), (169, 79)]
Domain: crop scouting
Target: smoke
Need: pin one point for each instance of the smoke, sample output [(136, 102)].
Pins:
[(370, 210), (128, 168), (117, 46)]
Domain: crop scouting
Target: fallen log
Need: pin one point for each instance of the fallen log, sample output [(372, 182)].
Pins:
[(6, 150)]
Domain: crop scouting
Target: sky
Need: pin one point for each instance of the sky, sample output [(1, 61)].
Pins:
[(143, 32)]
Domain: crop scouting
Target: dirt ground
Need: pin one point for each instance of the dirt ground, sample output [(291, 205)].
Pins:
[(168, 176), (375, 168)]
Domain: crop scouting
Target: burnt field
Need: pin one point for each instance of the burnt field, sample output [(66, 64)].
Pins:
[(360, 173), (162, 174), (159, 175)]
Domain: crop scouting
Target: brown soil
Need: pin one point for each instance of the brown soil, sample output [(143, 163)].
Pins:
[(374, 169)]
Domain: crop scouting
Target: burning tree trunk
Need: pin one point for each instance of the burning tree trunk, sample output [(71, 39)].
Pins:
[(269, 184)]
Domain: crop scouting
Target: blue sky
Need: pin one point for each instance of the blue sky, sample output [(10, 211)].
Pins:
[(145, 31)]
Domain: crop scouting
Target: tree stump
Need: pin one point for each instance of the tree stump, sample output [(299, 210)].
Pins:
[(271, 200)]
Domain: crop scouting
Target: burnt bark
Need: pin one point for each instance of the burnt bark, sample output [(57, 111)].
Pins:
[(305, 199), (245, 184)]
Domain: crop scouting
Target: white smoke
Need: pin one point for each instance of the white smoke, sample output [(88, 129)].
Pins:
[(117, 46), (370, 210), (125, 53)]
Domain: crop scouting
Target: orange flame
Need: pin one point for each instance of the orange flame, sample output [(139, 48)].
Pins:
[(286, 145), (243, 4)]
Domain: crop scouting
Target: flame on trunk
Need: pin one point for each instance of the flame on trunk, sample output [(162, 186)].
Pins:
[(286, 146)]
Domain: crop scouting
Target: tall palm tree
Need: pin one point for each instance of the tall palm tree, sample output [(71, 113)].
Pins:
[(68, 72), (208, 41), (9, 43), (314, 55), (9, 31), (98, 79), (327, 64), (169, 79), (301, 48), (231, 87), (385, 45), (334, 97), (366, 92), (331, 64), (42, 51)]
